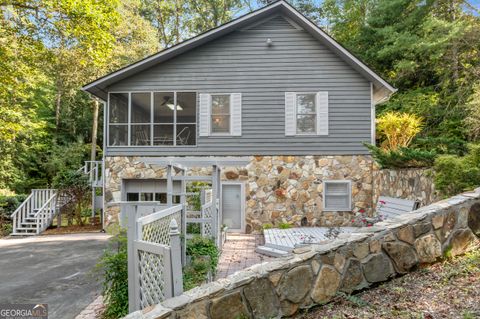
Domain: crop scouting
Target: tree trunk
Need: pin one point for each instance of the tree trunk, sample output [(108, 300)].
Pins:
[(93, 154)]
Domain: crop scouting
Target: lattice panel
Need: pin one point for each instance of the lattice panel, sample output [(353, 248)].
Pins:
[(151, 269), (159, 230), (207, 230)]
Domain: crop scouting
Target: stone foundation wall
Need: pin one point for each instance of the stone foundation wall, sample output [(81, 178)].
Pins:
[(414, 184), (315, 273), (278, 189)]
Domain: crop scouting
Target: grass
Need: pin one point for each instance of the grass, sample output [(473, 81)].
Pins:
[(450, 289)]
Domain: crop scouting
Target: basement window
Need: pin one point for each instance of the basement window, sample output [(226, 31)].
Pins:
[(337, 195)]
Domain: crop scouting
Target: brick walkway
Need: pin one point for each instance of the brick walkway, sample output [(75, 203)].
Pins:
[(93, 311), (239, 253)]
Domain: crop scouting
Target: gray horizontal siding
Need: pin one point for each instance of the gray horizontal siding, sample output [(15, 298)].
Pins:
[(242, 62)]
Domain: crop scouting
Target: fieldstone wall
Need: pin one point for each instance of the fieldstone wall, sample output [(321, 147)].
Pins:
[(414, 184), (316, 273), (279, 189)]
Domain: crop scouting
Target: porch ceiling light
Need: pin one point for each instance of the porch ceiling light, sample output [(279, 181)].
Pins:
[(172, 107)]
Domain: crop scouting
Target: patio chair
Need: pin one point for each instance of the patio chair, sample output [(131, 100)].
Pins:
[(183, 136)]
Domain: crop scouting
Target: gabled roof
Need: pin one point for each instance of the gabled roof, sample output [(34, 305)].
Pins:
[(382, 89)]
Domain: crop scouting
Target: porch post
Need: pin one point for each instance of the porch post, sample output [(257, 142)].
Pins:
[(176, 259), (131, 214), (169, 186)]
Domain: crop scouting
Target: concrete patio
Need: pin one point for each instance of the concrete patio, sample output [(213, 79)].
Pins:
[(56, 270)]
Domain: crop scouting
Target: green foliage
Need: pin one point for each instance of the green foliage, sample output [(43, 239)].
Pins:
[(397, 129), (202, 246), (204, 259), (267, 226), (284, 226), (402, 158), (8, 204), (455, 174), (114, 270)]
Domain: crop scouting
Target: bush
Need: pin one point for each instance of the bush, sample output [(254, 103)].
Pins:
[(114, 268), (284, 226), (8, 204), (441, 145), (397, 130), (204, 259), (454, 174), (404, 157)]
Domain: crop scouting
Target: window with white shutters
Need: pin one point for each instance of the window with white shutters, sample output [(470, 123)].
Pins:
[(306, 113), (221, 114), (337, 195)]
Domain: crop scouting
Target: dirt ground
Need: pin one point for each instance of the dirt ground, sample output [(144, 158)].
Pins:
[(450, 289)]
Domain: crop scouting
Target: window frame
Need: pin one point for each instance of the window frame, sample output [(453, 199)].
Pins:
[(229, 133), (349, 194), (314, 133), (152, 119)]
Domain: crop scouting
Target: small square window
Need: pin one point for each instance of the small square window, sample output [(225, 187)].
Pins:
[(132, 197), (337, 195)]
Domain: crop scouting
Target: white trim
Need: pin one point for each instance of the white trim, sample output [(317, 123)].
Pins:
[(242, 205), (342, 181), (372, 117), (200, 39)]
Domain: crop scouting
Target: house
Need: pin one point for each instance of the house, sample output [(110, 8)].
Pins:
[(269, 87)]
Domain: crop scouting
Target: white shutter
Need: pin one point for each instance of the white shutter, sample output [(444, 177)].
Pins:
[(204, 120), (322, 113), (290, 121), (236, 113)]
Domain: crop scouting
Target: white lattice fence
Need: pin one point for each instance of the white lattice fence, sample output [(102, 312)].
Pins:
[(155, 267)]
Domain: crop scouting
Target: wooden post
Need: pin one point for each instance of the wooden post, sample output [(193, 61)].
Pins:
[(131, 214), (183, 218), (169, 186), (215, 186), (176, 259)]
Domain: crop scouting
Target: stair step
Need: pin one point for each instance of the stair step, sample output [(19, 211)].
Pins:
[(23, 234), (25, 229), (272, 252), (28, 223)]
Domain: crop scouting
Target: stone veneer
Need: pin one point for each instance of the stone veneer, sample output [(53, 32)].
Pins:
[(414, 184), (316, 273), (279, 189)]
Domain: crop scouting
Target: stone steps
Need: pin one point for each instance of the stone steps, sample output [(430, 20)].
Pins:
[(272, 252)]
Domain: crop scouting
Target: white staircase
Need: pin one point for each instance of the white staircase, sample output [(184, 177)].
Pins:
[(36, 213)]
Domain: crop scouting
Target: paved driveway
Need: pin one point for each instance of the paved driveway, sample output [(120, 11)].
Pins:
[(56, 269)]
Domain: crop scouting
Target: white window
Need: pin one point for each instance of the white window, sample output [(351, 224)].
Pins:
[(221, 114), (337, 195), (306, 113)]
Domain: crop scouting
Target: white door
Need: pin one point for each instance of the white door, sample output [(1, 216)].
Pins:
[(233, 207)]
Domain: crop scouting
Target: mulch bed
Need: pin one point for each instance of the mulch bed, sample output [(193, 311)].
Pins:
[(450, 289), (72, 229)]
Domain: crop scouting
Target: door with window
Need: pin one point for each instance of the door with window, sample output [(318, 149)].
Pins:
[(233, 206)]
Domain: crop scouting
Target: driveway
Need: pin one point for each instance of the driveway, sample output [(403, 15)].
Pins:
[(56, 270)]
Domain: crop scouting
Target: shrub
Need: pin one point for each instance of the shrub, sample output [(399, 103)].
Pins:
[(284, 226), (441, 145), (204, 259), (114, 268), (454, 174), (8, 204), (397, 130), (404, 157)]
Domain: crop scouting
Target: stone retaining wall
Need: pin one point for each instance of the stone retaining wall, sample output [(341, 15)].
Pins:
[(414, 184), (316, 273), (278, 189)]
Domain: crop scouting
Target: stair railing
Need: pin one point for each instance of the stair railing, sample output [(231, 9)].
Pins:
[(94, 171), (46, 213), (34, 201)]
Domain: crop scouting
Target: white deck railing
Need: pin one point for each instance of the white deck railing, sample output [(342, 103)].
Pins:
[(94, 171)]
